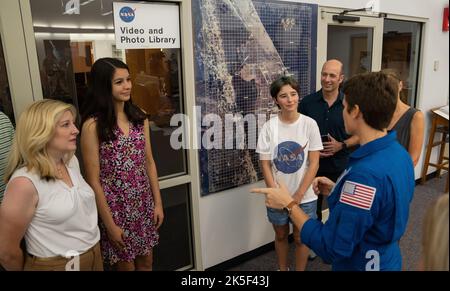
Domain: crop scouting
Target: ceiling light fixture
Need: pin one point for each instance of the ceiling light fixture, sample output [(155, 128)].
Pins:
[(86, 2)]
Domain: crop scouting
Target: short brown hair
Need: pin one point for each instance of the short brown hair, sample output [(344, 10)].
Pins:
[(376, 95), (276, 86)]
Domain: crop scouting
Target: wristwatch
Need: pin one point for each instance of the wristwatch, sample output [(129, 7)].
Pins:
[(344, 145), (288, 208)]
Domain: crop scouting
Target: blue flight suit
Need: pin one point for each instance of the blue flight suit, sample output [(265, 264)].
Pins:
[(369, 208)]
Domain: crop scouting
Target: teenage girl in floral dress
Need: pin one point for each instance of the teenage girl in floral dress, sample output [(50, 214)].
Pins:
[(117, 155)]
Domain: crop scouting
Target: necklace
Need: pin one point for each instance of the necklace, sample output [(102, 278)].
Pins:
[(60, 172)]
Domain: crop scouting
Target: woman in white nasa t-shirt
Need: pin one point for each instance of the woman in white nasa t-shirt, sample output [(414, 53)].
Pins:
[(289, 146)]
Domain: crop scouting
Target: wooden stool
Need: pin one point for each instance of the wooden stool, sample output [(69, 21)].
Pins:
[(439, 125)]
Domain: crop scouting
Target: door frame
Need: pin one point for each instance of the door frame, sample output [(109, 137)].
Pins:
[(21, 66)]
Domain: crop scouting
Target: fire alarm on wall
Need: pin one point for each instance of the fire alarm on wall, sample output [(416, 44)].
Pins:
[(445, 20)]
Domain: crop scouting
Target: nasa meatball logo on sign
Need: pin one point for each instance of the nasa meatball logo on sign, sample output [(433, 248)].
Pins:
[(145, 25), (126, 14)]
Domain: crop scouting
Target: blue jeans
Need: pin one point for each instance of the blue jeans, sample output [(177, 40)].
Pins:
[(280, 217)]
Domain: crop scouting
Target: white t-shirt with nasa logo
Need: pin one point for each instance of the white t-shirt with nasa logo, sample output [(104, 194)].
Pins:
[(287, 147)]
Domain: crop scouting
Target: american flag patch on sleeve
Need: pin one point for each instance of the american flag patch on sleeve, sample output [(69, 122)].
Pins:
[(358, 195)]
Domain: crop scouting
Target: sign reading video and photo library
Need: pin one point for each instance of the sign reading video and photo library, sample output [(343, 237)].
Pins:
[(147, 25)]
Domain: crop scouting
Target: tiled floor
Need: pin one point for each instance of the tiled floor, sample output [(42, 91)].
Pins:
[(410, 243)]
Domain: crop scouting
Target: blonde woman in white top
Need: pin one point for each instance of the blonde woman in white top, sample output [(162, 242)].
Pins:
[(435, 236), (47, 202)]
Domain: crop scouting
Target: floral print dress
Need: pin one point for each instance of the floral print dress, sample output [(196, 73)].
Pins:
[(126, 185)]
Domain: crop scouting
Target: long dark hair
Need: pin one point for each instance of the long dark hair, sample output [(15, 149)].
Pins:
[(99, 99)]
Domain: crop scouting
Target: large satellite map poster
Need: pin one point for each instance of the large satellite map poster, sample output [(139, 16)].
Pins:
[(241, 46)]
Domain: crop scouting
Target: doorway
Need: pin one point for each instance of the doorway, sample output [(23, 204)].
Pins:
[(370, 43), (356, 43), (67, 45)]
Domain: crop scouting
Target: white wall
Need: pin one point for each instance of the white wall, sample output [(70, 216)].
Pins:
[(433, 91), (234, 222)]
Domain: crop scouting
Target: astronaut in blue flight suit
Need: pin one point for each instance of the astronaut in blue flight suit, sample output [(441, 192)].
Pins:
[(369, 204)]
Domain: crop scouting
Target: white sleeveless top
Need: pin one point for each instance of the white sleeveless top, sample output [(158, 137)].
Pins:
[(65, 219)]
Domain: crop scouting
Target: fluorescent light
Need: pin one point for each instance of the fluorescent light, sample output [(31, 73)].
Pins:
[(86, 2), (55, 25)]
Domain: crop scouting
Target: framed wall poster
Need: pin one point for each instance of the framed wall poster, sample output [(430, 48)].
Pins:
[(240, 48)]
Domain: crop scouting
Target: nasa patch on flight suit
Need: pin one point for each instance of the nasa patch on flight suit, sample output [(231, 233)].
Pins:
[(357, 195)]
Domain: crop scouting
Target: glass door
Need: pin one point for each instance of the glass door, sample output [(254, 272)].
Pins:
[(370, 43), (353, 47), (401, 52), (356, 41), (68, 40)]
